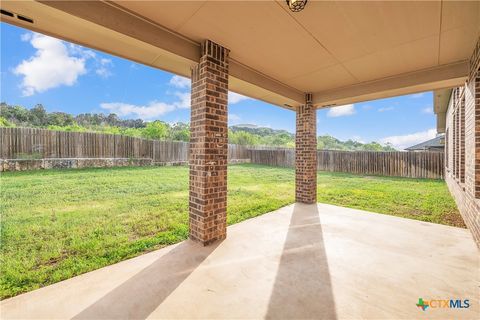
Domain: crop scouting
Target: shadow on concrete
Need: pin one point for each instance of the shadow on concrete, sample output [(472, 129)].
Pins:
[(139, 296), (302, 288)]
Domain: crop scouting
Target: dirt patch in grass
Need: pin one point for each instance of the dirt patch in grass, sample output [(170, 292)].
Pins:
[(454, 219)]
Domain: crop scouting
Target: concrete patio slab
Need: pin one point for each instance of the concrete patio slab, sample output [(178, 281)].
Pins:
[(302, 261)]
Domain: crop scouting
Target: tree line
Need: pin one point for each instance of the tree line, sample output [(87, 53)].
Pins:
[(38, 117)]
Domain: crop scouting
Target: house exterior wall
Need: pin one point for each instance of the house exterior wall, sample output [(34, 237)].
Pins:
[(462, 153)]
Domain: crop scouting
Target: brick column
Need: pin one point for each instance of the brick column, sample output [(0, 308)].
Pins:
[(209, 145), (306, 153)]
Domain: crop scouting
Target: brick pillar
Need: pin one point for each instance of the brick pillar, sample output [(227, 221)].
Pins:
[(306, 153), (209, 145)]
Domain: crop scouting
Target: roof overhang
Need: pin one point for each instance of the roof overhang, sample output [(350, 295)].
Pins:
[(376, 50), (445, 76), (441, 99)]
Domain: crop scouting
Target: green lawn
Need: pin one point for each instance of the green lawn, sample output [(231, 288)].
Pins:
[(61, 223)]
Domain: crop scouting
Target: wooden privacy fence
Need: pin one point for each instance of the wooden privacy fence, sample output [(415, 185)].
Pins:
[(279, 157), (40, 143), (400, 164)]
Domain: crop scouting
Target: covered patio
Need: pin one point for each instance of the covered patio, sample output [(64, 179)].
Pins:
[(302, 261), (330, 53)]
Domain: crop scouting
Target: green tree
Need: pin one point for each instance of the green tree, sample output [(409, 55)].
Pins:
[(71, 128), (37, 116), (156, 130), (5, 123), (243, 138), (60, 119), (16, 114), (372, 146), (111, 130), (132, 132), (179, 132)]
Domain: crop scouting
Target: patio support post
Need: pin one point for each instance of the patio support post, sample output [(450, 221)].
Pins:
[(209, 145), (306, 152)]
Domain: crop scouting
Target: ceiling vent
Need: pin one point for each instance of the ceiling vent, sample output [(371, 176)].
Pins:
[(7, 13), (15, 15), (23, 18)]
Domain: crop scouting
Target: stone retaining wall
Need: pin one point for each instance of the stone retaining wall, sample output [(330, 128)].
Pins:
[(64, 163), (78, 163)]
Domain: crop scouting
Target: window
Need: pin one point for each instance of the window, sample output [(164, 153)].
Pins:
[(475, 87), (447, 150), (461, 135), (455, 129)]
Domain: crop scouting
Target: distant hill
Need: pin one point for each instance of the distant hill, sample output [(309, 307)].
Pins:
[(268, 136), (243, 134), (261, 131), (248, 126)]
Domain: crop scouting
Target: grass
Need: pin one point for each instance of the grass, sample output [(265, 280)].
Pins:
[(60, 223)]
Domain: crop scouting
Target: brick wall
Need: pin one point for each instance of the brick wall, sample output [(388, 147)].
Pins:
[(466, 190), (306, 153), (209, 145)]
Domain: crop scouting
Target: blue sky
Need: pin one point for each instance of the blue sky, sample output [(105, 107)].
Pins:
[(70, 78)]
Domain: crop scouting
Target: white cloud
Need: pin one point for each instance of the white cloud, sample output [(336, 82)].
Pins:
[(152, 110), (103, 72), (417, 95), (184, 102), (236, 98), (358, 139), (56, 63), (103, 68), (428, 110), (184, 83), (405, 141), (385, 109), (234, 118), (156, 108), (26, 36), (341, 111), (180, 82), (80, 51), (51, 66)]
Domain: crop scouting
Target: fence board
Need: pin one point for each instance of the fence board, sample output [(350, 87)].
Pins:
[(401, 164), (41, 143)]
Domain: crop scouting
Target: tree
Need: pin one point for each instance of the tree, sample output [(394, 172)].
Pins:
[(156, 130), (278, 139), (112, 119), (37, 116), (246, 134), (5, 123), (132, 132), (61, 119), (373, 146), (15, 114), (180, 132), (243, 138)]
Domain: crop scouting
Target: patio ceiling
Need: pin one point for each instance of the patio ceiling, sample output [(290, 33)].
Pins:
[(342, 52)]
